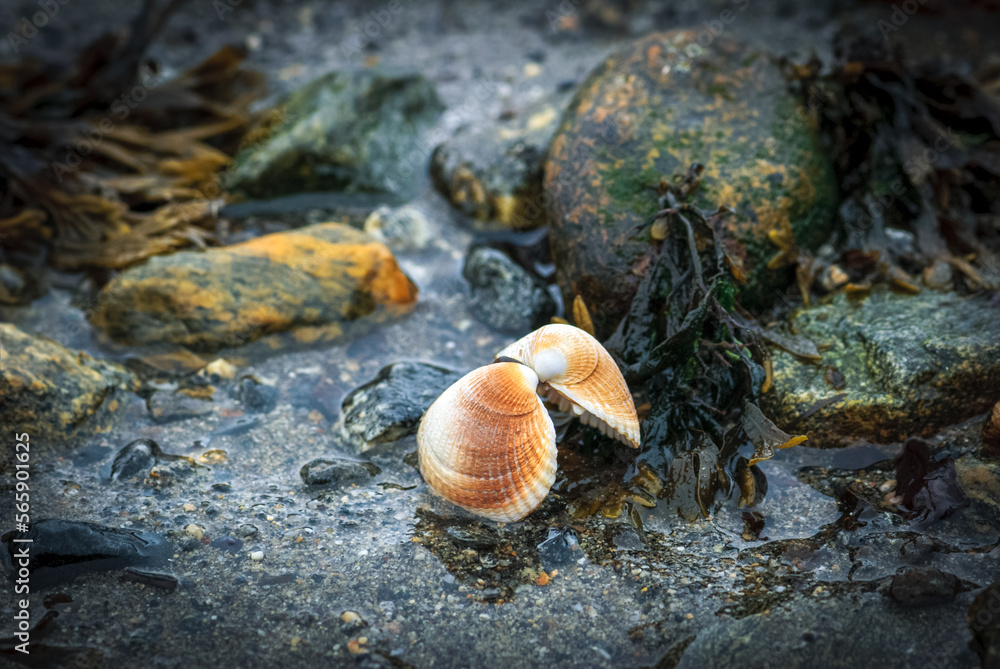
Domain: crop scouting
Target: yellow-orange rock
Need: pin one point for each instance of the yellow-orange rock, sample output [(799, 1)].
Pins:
[(229, 296), (53, 393)]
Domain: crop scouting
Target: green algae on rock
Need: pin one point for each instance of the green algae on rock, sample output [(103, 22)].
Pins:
[(357, 132), (318, 275), (649, 113), (905, 366), (494, 175), (53, 393)]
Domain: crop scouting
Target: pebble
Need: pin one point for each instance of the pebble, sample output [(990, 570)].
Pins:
[(503, 294), (350, 616), (135, 459), (257, 556), (256, 397), (220, 367), (405, 228), (337, 470), (195, 531)]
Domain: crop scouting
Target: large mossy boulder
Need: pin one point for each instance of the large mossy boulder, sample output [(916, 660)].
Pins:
[(651, 112), (891, 367), (360, 132), (322, 274), (53, 393)]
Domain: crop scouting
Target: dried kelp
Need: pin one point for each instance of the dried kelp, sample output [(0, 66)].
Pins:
[(927, 484), (104, 162), (916, 149), (700, 362)]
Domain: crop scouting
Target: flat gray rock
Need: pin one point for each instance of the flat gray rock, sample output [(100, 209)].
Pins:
[(389, 407), (891, 366)]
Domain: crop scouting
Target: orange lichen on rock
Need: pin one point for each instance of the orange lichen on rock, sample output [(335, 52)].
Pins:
[(52, 392), (229, 296)]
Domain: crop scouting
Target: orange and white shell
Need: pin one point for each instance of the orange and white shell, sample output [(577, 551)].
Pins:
[(578, 374), (487, 443)]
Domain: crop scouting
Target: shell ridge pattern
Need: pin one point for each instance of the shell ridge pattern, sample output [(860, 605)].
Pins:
[(488, 444)]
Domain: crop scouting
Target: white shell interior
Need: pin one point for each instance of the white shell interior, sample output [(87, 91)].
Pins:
[(549, 364), (565, 404)]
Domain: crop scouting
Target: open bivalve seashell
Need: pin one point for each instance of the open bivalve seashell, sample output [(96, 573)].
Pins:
[(578, 374), (488, 445)]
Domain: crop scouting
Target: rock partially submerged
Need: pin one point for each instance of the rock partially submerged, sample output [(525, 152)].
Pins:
[(322, 274), (337, 471), (53, 393), (891, 367), (504, 295), (647, 115), (389, 406), (494, 175), (358, 132), (144, 461), (62, 549)]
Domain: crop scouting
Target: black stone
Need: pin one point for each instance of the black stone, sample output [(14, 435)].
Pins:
[(560, 549), (504, 295), (135, 459), (62, 549), (389, 407)]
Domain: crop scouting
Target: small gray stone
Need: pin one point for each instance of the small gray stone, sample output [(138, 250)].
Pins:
[(337, 470), (135, 459), (560, 548), (390, 406), (138, 458), (504, 295), (168, 407), (256, 397), (401, 229)]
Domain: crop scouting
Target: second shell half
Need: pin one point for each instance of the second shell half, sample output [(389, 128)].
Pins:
[(487, 444)]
